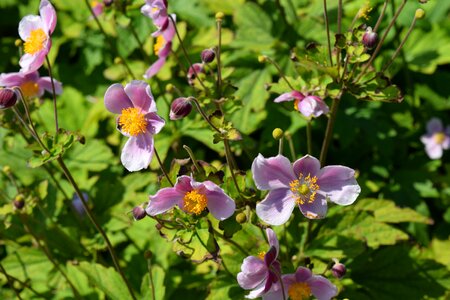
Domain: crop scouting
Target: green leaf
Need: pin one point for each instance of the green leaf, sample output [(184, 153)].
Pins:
[(158, 276)]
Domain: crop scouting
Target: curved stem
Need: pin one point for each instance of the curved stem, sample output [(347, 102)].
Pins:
[(55, 107), (279, 71), (230, 241), (200, 110), (162, 166), (291, 145), (191, 155), (10, 282), (383, 11), (327, 26)]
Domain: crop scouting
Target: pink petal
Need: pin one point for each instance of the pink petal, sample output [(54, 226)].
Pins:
[(302, 274), (284, 97), (46, 83), (153, 69), (272, 173), (272, 238), (316, 210), (322, 288), (137, 152), (12, 79), (28, 24), (434, 150), (338, 184), (116, 99), (48, 16), (307, 165), (254, 272), (277, 207), (29, 63), (219, 204), (154, 123), (257, 292), (164, 200), (183, 184), (141, 96), (434, 125)]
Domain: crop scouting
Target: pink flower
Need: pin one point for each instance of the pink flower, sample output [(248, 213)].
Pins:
[(193, 72), (36, 31), (30, 83), (137, 120), (97, 7), (193, 198), (437, 139), (308, 105), (303, 183), (157, 11), (302, 285), (260, 273)]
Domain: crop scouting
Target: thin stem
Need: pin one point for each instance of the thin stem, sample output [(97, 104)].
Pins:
[(94, 222), (380, 18), (329, 130), (10, 277), (280, 280), (230, 241), (205, 117), (327, 26), (280, 146), (56, 182), (162, 167), (10, 282), (309, 137), (55, 107), (152, 284), (279, 71), (192, 156), (291, 145), (141, 45), (28, 128), (219, 65), (339, 29), (229, 158)]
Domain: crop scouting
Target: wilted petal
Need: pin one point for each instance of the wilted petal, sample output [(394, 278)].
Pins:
[(272, 173), (116, 100), (338, 183), (164, 200), (154, 123), (306, 165), (315, 210), (219, 204), (48, 16), (277, 207), (137, 152), (322, 288), (140, 95)]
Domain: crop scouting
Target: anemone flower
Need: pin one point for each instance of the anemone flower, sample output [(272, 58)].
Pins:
[(302, 285), (36, 31), (303, 183), (97, 7), (137, 120), (192, 197), (437, 139), (157, 11), (30, 83), (307, 105), (260, 273)]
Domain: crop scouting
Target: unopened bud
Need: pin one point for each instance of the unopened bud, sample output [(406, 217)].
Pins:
[(19, 201), (193, 72), (117, 60), (148, 254), (338, 270), (277, 133), (169, 88), (138, 213), (420, 14), (18, 42), (262, 58), (8, 98), (241, 218), (208, 55), (220, 15), (7, 169), (180, 108), (108, 2), (370, 38)]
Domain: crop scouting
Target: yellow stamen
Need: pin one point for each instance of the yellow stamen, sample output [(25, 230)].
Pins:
[(94, 3), (299, 291), (296, 103), (439, 137), (29, 89), (194, 202), (365, 10), (261, 255), (160, 42), (35, 42), (155, 9), (132, 121), (305, 189)]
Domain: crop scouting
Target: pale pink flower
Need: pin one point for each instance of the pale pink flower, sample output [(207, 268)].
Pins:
[(30, 83), (307, 105), (437, 139)]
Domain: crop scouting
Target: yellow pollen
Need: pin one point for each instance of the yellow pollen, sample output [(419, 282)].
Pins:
[(194, 202), (94, 3), (29, 89), (299, 291), (439, 137), (296, 103), (364, 11), (160, 42), (261, 255), (132, 121), (155, 9), (304, 189), (35, 42)]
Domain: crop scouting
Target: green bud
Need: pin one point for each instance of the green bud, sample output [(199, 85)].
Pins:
[(277, 133), (241, 218), (169, 88), (420, 14), (262, 58), (117, 60), (220, 15)]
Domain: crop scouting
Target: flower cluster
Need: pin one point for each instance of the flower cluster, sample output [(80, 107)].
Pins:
[(437, 138)]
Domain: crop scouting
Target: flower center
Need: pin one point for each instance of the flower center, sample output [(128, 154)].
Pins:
[(132, 121), (29, 89), (35, 42), (155, 9), (94, 3), (299, 291), (296, 103), (439, 137), (160, 41), (304, 188), (194, 202), (261, 255)]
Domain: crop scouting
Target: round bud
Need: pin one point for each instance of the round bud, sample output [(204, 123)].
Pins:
[(148, 254), (138, 213), (18, 42), (241, 218), (19, 201), (108, 2), (277, 133), (8, 98), (180, 108), (7, 169), (338, 270), (169, 88), (262, 58), (420, 14), (370, 38), (208, 55), (117, 60), (220, 15)]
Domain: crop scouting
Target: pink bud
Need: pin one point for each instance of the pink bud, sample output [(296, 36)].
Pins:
[(208, 55), (370, 38), (8, 98), (180, 108)]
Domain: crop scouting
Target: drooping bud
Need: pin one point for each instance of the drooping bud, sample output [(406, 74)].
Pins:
[(370, 38), (138, 213), (277, 133), (338, 270), (108, 2), (241, 218), (19, 202), (8, 98), (420, 14), (180, 108), (208, 55)]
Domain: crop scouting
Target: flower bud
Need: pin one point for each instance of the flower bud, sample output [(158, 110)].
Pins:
[(277, 133), (138, 213), (180, 108), (108, 2), (7, 170), (208, 55), (370, 38), (8, 98), (18, 42), (262, 58), (338, 270), (241, 218), (117, 60), (220, 15), (193, 72), (19, 201), (420, 14)]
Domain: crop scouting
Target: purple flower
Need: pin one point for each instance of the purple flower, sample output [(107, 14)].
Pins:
[(97, 7), (137, 120), (157, 11), (260, 273), (78, 204), (437, 139), (302, 285), (307, 105), (303, 183), (192, 197), (30, 83), (193, 72), (36, 31)]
